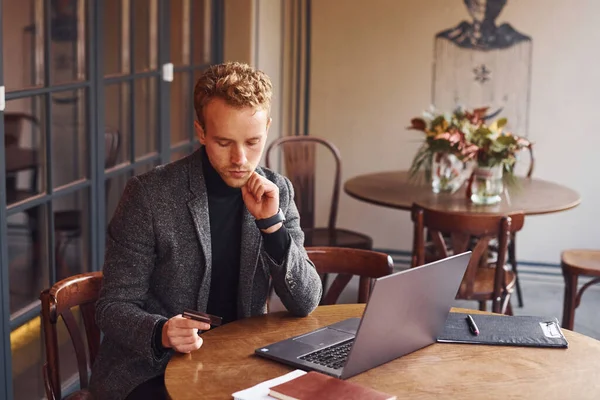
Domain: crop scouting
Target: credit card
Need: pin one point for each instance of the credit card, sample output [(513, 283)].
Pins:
[(202, 317)]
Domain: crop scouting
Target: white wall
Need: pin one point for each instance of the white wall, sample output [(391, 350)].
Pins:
[(258, 32), (371, 72)]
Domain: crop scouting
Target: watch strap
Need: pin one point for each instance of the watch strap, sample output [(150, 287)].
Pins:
[(266, 223)]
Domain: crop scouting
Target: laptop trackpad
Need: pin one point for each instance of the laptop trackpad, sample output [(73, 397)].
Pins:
[(324, 337)]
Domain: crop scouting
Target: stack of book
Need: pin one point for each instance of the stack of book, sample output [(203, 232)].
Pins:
[(299, 385)]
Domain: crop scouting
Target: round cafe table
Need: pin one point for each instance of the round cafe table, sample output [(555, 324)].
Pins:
[(226, 363), (395, 189)]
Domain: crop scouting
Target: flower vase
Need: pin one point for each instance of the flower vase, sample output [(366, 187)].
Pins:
[(487, 185), (447, 173)]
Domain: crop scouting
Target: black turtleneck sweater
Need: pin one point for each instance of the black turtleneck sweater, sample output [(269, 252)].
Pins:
[(225, 209)]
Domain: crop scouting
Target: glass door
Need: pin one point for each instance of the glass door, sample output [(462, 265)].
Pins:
[(47, 173), (96, 92)]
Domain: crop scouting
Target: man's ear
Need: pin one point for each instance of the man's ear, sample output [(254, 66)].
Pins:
[(269, 123), (200, 134)]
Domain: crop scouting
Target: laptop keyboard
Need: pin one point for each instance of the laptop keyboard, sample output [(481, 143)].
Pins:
[(333, 356)]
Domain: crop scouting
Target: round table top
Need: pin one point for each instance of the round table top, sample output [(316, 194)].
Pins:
[(226, 364), (395, 189)]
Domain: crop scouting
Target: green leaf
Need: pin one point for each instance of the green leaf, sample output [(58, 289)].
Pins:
[(437, 121), (506, 140), (501, 123)]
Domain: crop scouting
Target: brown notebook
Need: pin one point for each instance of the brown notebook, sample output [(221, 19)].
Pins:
[(315, 385)]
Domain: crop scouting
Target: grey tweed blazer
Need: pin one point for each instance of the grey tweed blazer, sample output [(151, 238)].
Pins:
[(158, 262)]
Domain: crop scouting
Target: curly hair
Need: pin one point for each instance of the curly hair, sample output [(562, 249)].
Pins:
[(238, 84)]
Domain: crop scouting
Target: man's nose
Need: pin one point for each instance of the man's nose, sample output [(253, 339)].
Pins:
[(238, 155)]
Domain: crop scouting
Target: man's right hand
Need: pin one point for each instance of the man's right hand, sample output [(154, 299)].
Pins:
[(181, 334)]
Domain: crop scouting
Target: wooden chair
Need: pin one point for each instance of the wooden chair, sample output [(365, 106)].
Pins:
[(575, 263), (346, 262), (482, 281), (512, 251), (77, 291), (300, 165)]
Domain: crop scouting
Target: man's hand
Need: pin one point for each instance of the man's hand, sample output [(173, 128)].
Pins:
[(261, 197), (181, 334)]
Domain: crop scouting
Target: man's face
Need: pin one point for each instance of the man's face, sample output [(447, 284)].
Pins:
[(234, 139)]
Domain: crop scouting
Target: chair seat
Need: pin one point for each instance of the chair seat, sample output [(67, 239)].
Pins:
[(324, 237), (80, 395), (581, 262), (483, 287), (68, 220)]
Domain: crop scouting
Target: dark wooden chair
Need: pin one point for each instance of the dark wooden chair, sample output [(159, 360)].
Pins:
[(79, 291), (346, 263), (300, 166), (512, 250), (575, 263), (68, 223), (483, 281)]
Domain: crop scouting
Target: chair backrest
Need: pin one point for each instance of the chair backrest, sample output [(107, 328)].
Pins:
[(300, 166), (76, 291), (347, 262), (531, 160), (462, 228)]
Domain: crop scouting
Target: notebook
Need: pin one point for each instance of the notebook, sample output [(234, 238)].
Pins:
[(261, 390), (529, 331), (315, 385)]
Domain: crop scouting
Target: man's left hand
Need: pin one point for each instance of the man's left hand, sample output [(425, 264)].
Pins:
[(261, 197)]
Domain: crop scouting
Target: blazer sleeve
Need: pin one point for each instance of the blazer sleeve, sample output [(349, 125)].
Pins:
[(295, 279), (128, 264)]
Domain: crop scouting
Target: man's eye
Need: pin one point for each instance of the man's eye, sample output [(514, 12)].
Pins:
[(253, 143), (223, 144)]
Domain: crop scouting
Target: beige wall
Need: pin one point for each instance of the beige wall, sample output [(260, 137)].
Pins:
[(254, 35), (239, 30), (371, 72)]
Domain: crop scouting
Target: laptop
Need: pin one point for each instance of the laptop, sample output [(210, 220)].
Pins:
[(406, 311)]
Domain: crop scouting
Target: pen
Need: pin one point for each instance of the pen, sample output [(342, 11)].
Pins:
[(472, 327)]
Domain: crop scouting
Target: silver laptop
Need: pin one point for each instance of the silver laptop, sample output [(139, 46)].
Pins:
[(406, 311)]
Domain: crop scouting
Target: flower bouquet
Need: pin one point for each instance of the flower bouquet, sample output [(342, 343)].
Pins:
[(458, 142)]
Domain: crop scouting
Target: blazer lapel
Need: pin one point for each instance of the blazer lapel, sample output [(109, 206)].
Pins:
[(251, 242), (199, 210)]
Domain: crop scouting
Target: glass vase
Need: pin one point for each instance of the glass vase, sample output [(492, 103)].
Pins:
[(447, 173), (487, 185)]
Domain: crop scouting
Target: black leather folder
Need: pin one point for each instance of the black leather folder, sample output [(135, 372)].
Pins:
[(526, 331)]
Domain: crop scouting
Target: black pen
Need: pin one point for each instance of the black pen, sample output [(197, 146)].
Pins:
[(472, 327)]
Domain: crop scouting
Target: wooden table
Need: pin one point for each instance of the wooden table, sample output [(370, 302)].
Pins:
[(396, 190), (226, 364)]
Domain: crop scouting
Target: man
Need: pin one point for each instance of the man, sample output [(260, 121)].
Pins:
[(206, 232)]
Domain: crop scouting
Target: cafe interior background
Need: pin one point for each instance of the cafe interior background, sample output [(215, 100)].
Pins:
[(353, 72)]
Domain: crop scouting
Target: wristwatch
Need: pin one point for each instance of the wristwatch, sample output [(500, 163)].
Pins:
[(266, 223)]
